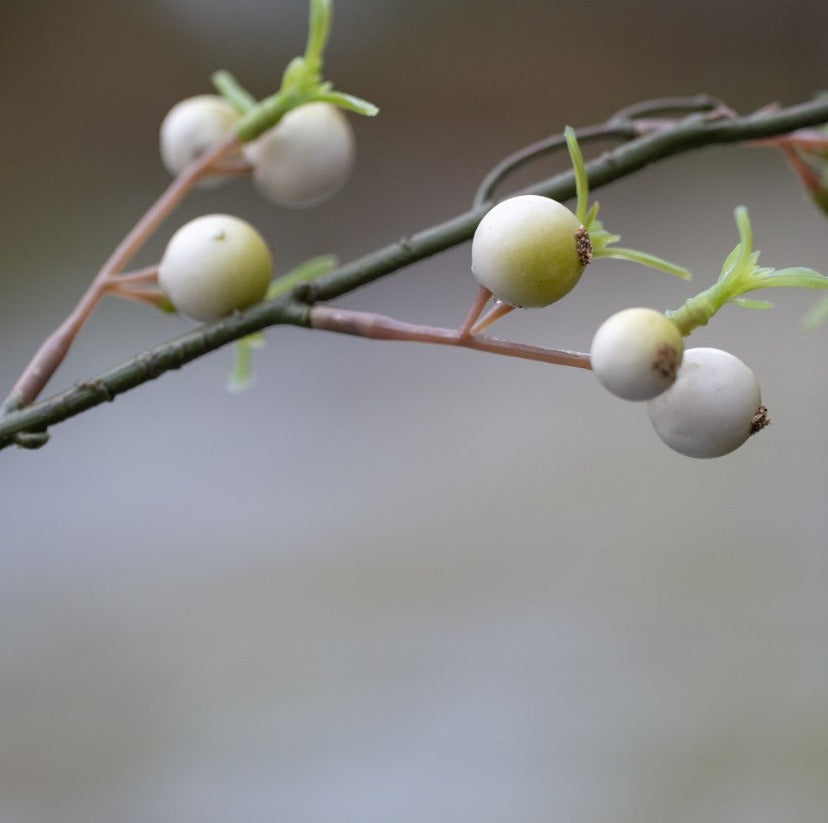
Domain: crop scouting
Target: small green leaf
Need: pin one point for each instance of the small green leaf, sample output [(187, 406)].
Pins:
[(233, 92), (295, 74), (745, 230), (816, 315), (644, 259), (600, 238), (319, 29), (165, 304), (797, 277), (348, 102), (309, 270), (745, 303), (591, 220), (581, 179), (730, 262), (741, 273), (241, 373)]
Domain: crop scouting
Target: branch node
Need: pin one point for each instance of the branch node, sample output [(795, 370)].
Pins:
[(98, 388), (31, 440), (151, 364), (306, 292)]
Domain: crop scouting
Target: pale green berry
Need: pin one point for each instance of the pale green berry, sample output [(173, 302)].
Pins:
[(305, 158), (193, 127), (530, 251), (712, 408), (214, 265), (636, 353)]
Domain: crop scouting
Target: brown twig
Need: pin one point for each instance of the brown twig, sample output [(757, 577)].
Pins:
[(381, 327), (55, 347)]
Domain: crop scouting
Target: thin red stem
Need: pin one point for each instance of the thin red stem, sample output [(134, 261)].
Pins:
[(482, 297), (166, 203), (56, 346), (137, 277), (150, 296), (492, 316), (381, 327)]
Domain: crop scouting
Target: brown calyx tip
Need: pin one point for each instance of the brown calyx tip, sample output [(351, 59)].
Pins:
[(666, 361), (760, 420), (583, 245)]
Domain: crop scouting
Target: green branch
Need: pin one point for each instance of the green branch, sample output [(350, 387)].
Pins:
[(693, 133)]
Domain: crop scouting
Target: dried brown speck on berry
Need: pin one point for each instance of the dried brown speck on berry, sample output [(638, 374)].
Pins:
[(583, 246), (666, 361), (759, 420)]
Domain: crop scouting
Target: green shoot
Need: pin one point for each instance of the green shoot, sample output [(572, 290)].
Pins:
[(241, 374), (741, 273), (302, 82), (600, 238)]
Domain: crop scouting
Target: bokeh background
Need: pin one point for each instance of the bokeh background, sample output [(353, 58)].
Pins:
[(394, 582)]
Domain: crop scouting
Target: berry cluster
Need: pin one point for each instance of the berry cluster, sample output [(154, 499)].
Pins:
[(527, 251), (531, 251), (217, 264), (702, 402)]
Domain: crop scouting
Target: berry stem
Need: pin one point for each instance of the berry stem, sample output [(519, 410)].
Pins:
[(139, 276), (491, 317), (697, 311), (150, 297), (381, 327), (480, 300)]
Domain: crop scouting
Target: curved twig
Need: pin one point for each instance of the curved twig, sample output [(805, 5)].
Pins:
[(625, 124)]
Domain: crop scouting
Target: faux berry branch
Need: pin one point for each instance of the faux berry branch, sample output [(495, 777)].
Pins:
[(528, 250)]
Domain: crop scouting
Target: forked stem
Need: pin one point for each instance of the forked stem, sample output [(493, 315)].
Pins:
[(56, 346), (148, 275), (481, 298), (494, 314), (155, 298)]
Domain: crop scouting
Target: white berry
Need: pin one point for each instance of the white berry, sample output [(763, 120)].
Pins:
[(712, 408), (529, 251), (636, 353), (214, 265), (192, 127), (305, 158)]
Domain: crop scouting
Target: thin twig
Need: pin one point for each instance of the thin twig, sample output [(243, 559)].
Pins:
[(170, 355), (149, 274), (55, 347), (625, 124), (532, 152), (663, 106), (381, 327), (685, 135)]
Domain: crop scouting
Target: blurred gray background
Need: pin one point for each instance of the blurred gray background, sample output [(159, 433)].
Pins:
[(394, 582)]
